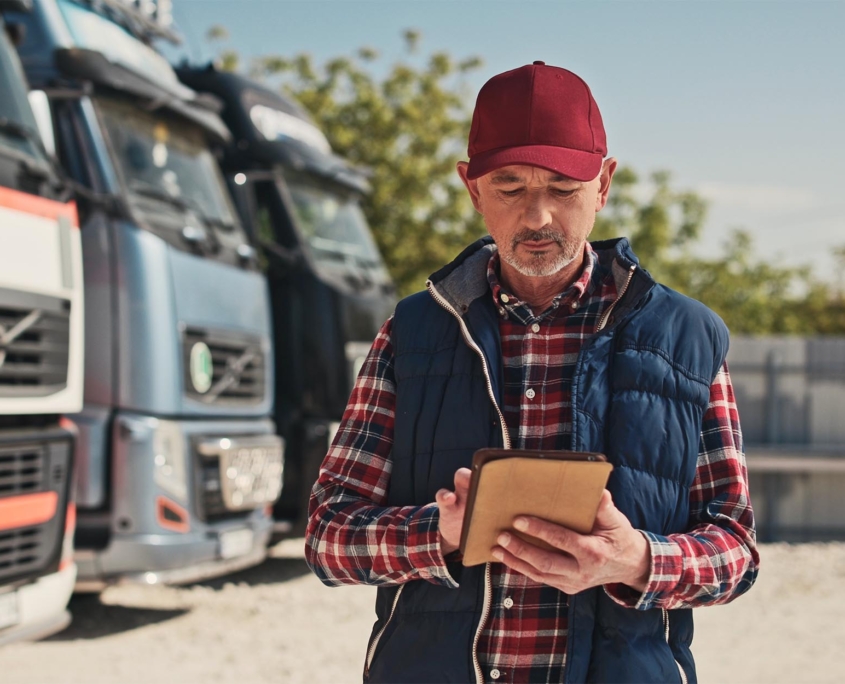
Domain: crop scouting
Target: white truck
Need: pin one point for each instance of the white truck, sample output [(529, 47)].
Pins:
[(41, 362)]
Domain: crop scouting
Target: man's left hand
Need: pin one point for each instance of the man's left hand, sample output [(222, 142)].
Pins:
[(614, 552)]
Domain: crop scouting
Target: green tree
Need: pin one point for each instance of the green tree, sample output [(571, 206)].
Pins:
[(750, 294)]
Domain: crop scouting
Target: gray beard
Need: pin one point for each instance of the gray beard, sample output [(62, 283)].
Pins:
[(541, 265)]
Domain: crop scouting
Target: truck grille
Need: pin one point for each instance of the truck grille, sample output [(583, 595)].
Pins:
[(19, 550), (235, 371), (21, 470), (238, 474), (33, 348), (31, 467)]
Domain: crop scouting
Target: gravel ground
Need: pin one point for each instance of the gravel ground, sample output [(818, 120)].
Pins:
[(277, 623)]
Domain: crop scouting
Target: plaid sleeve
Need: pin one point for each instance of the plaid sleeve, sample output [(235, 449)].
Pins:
[(717, 560), (352, 537)]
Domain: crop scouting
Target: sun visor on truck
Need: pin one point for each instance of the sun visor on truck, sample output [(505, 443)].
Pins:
[(297, 155), (90, 65)]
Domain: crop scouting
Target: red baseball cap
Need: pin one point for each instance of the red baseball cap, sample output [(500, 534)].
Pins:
[(537, 115)]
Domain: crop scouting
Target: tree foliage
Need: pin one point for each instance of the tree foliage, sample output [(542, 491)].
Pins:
[(409, 125), (752, 295)]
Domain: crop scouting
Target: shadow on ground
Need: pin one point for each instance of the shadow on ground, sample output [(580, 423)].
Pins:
[(271, 571), (93, 619)]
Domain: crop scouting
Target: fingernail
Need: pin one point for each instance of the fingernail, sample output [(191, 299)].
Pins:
[(498, 555), (521, 524), (504, 539)]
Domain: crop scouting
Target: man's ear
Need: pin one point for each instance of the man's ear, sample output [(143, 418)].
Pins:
[(605, 177), (471, 185)]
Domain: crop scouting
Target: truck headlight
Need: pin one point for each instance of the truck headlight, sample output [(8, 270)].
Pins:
[(170, 470)]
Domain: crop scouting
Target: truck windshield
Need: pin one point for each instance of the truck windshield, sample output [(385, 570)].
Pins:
[(332, 223), (17, 124), (166, 159)]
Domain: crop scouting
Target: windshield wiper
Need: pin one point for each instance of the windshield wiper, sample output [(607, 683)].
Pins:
[(182, 203), (147, 190), (36, 167), (23, 132)]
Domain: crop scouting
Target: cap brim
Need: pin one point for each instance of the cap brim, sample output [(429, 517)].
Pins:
[(576, 164)]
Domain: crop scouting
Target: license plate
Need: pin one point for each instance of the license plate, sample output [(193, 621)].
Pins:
[(235, 543), (9, 612)]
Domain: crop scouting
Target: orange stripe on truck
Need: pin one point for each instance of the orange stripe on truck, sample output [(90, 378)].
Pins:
[(27, 510), (40, 206)]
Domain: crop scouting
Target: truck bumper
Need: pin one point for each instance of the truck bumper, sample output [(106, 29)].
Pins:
[(191, 500), (41, 607)]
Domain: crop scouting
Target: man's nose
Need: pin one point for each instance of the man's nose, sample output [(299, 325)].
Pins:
[(538, 213)]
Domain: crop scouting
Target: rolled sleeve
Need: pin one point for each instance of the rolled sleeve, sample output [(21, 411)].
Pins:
[(352, 537)]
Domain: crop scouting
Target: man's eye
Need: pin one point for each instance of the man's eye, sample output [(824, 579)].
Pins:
[(511, 193), (562, 193)]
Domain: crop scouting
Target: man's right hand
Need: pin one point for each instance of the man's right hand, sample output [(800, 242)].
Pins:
[(452, 505)]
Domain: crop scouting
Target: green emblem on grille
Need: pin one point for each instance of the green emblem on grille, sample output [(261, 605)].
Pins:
[(202, 370)]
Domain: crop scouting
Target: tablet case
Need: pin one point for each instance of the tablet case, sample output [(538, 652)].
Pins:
[(564, 487)]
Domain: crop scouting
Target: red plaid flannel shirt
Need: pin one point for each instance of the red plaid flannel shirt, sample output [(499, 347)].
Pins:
[(354, 538)]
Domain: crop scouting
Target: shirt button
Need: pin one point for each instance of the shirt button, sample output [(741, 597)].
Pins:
[(535, 327), (574, 305), (495, 674), (508, 602), (530, 393), (505, 298)]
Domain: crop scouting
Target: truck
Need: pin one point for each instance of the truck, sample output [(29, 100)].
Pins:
[(179, 461), (329, 289), (41, 365)]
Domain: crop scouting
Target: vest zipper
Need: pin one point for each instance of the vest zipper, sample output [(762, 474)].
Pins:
[(666, 634), (472, 345), (488, 587), (372, 650), (606, 314)]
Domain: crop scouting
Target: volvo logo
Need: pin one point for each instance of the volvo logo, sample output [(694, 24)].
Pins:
[(13, 333), (235, 366), (202, 369)]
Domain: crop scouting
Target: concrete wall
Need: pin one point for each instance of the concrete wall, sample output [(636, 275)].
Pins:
[(791, 397)]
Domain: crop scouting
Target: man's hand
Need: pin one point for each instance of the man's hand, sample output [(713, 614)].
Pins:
[(613, 552), (452, 506)]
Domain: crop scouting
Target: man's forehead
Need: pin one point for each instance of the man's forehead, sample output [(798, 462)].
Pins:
[(524, 174)]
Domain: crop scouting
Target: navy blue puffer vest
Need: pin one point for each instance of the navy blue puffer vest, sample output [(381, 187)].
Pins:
[(639, 392)]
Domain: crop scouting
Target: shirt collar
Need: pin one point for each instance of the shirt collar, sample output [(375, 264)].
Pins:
[(506, 301)]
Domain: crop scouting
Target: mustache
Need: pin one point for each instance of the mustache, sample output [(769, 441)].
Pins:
[(542, 235)]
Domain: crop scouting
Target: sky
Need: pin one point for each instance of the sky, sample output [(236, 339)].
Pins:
[(742, 100)]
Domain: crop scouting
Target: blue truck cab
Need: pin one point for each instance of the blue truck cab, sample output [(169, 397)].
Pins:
[(330, 291), (179, 462)]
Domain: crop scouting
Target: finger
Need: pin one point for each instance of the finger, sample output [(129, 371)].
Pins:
[(518, 565), (556, 535), (462, 479), (547, 562), (444, 497)]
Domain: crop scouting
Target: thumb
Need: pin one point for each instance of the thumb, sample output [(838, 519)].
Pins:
[(607, 514), (443, 497)]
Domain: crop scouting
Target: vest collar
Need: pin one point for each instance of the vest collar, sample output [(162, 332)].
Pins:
[(465, 279)]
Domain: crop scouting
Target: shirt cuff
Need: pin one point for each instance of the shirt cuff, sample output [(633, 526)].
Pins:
[(423, 543), (665, 572)]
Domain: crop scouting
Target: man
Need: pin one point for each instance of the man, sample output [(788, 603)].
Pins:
[(534, 338)]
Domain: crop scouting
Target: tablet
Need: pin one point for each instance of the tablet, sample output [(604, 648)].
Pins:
[(564, 487)]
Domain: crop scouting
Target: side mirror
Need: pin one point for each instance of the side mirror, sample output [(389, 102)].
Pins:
[(43, 119)]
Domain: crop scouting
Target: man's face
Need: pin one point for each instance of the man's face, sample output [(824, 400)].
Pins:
[(538, 218)]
